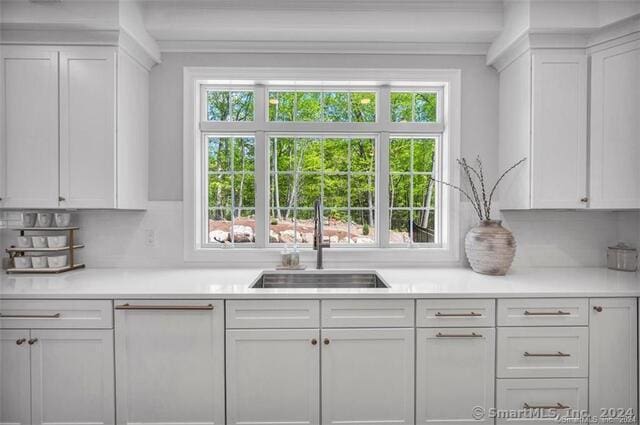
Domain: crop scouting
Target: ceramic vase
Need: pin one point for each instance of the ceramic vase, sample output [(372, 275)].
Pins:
[(490, 248)]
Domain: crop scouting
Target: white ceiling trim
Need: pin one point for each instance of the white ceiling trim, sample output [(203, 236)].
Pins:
[(427, 48)]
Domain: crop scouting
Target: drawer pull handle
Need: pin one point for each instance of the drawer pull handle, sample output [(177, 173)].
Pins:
[(21, 341), (327, 341), (471, 314), (558, 354), (30, 316), (597, 308), (32, 341), (546, 313), (163, 307), (314, 341), (471, 335), (557, 406)]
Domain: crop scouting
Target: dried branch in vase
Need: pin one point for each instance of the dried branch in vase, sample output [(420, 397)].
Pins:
[(477, 191)]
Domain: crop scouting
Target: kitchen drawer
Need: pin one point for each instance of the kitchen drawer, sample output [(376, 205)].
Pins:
[(543, 312), (455, 313), (367, 313), (56, 314), (536, 396), (261, 314), (539, 352)]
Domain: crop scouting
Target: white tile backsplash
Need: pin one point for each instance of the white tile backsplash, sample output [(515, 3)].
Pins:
[(544, 238)]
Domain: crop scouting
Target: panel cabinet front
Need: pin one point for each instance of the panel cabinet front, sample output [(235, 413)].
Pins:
[(368, 376), (169, 361), (273, 376), (455, 372), (15, 388), (72, 377)]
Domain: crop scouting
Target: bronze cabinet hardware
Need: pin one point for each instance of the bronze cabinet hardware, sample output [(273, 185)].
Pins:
[(21, 341), (32, 341), (558, 354), (314, 341), (30, 316), (61, 198), (163, 307), (585, 199), (557, 406), (326, 341), (546, 313), (471, 314), (471, 335), (597, 308)]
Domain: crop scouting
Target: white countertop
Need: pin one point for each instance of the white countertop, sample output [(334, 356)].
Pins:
[(405, 283)]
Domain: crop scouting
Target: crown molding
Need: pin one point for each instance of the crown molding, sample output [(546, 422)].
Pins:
[(137, 50), (202, 46)]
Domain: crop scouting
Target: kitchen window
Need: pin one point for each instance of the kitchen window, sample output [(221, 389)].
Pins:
[(372, 151)]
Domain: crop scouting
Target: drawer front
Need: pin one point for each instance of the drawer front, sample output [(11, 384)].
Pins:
[(455, 313), (543, 352), (543, 312), (56, 314), (367, 313), (264, 314), (539, 396)]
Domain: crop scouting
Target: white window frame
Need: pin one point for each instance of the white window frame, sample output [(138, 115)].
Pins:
[(197, 79)]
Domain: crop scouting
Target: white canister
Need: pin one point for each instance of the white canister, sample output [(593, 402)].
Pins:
[(39, 241), (62, 219), (22, 262), (44, 219), (622, 257), (23, 241), (57, 241), (28, 219), (39, 262)]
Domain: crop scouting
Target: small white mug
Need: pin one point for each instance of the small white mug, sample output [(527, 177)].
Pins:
[(57, 241), (39, 241), (39, 262), (57, 261), (22, 262), (24, 241), (62, 219), (28, 219)]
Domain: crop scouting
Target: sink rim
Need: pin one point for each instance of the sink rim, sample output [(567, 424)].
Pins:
[(311, 272)]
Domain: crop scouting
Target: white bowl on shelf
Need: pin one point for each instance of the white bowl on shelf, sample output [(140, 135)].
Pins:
[(57, 241), (22, 262), (57, 261)]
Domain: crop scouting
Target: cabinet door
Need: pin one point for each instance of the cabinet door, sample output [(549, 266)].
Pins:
[(15, 389), (29, 127), (455, 372), (170, 362), (615, 108), (368, 376), (72, 377), (613, 355), (559, 131), (87, 127), (273, 376)]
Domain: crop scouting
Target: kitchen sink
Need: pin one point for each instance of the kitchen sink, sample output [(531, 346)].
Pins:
[(319, 279)]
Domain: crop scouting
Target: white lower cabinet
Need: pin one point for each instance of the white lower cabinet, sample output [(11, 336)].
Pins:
[(368, 376), (273, 376), (455, 373), (56, 377), (15, 388), (613, 357), (169, 361)]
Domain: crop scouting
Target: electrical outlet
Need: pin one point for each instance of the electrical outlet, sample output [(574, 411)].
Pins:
[(149, 237)]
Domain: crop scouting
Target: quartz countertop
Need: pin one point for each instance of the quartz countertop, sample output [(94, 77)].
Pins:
[(191, 283)]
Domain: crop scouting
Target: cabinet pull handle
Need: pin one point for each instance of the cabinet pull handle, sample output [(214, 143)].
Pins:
[(471, 335), (33, 341), (546, 313), (31, 316), (471, 314), (163, 307), (326, 341), (558, 354), (597, 308), (61, 199), (21, 341), (557, 406), (585, 199), (314, 341)]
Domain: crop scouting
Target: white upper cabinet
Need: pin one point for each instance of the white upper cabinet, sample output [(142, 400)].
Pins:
[(615, 127), (543, 117), (87, 127), (75, 121), (29, 128)]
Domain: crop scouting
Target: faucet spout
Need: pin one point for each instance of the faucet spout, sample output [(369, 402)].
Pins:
[(318, 237)]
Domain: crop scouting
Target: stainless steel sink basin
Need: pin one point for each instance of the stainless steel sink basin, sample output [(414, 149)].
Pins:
[(319, 279)]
